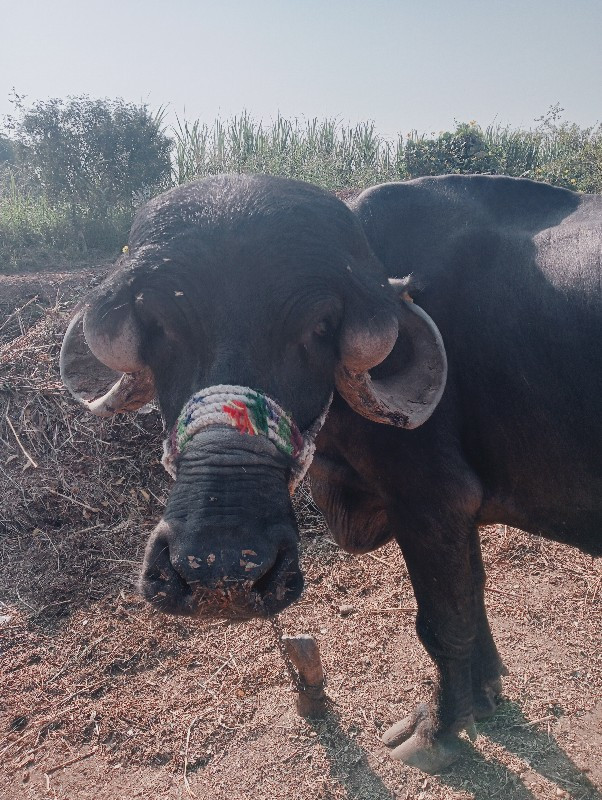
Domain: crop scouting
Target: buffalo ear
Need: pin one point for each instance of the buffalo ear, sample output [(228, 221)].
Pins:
[(100, 389), (407, 386)]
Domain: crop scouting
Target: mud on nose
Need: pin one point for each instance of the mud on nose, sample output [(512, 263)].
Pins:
[(228, 583)]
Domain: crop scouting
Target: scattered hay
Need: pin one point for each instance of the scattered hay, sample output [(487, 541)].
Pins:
[(69, 476), (105, 698)]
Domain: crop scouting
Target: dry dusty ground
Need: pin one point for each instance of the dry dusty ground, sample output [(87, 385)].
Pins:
[(103, 698)]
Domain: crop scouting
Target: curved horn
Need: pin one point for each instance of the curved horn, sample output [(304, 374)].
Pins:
[(364, 347), (407, 396), (111, 336), (102, 390)]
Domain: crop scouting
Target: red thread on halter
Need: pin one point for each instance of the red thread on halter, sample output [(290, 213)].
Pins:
[(240, 415)]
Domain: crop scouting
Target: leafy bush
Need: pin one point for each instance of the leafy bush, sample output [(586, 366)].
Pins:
[(572, 157), (93, 153), (72, 172), (466, 150)]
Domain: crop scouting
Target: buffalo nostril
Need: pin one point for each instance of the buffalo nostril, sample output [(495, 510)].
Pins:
[(283, 582), (265, 581), (160, 579), (156, 566)]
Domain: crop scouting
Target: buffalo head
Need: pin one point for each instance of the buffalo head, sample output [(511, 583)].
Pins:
[(233, 288)]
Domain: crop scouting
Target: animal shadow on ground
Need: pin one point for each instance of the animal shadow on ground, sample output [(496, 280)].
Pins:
[(350, 767), (488, 778), (485, 778), (348, 762)]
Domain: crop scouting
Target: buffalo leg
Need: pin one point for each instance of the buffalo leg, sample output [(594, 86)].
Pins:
[(486, 664), (447, 575)]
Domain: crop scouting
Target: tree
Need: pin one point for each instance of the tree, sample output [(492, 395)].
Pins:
[(94, 154), (462, 151), (7, 150)]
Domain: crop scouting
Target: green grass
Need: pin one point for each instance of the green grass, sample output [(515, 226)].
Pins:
[(324, 152), (35, 229), (336, 156), (36, 232)]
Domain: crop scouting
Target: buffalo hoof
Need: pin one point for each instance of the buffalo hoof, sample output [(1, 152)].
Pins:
[(413, 741)]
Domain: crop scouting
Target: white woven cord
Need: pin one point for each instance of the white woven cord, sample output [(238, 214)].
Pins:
[(251, 413)]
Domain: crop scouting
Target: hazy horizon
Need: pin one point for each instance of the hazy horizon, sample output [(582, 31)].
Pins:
[(405, 66)]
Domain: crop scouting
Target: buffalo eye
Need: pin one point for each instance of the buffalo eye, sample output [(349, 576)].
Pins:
[(323, 328), (320, 326)]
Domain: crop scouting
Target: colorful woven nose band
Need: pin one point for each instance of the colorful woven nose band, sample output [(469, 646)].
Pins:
[(249, 412)]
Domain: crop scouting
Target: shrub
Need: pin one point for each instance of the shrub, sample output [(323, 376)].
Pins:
[(72, 172), (465, 150), (93, 153)]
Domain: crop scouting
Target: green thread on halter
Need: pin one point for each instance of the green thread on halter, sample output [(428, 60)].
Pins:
[(249, 412), (260, 410), (284, 431), (244, 409)]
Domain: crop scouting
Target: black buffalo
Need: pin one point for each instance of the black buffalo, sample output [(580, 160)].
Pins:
[(235, 284)]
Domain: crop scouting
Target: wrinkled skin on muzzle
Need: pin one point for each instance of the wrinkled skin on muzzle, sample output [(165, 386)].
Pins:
[(227, 543)]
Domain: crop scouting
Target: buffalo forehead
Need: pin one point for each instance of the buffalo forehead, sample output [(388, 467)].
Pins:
[(222, 209)]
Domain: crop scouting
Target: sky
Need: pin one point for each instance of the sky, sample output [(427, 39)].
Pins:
[(404, 64)]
